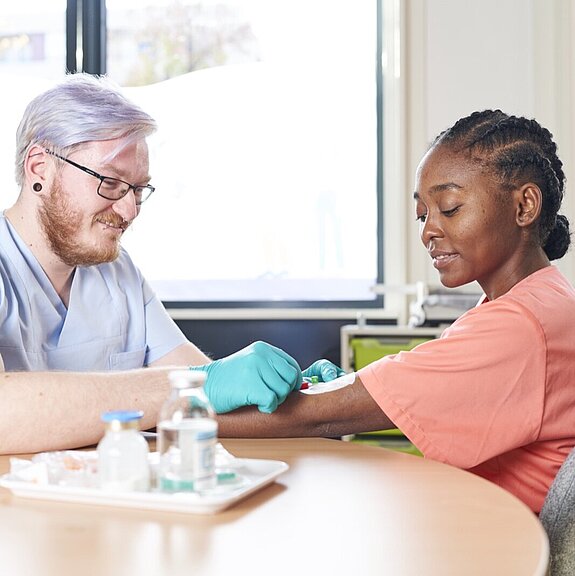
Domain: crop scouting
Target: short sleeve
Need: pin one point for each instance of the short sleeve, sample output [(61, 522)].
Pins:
[(476, 392), (162, 333)]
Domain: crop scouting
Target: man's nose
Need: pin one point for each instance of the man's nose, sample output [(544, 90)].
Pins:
[(126, 206)]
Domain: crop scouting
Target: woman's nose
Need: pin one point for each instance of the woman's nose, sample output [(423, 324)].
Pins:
[(430, 229)]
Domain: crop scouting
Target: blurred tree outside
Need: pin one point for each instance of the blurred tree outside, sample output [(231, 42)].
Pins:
[(179, 38)]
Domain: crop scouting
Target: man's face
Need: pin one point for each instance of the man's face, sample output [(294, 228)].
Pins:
[(81, 227)]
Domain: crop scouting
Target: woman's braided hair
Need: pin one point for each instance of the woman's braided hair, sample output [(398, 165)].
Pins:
[(517, 150)]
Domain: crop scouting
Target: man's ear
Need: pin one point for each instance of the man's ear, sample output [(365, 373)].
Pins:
[(528, 201), (36, 168)]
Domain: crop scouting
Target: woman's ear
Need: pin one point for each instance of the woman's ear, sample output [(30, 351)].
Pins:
[(528, 200), (36, 169)]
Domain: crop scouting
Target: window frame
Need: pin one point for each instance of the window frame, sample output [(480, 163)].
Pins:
[(90, 18)]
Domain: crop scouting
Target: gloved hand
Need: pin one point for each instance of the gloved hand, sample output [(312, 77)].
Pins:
[(260, 375), (324, 370)]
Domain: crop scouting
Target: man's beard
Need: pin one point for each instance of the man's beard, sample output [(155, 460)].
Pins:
[(60, 225)]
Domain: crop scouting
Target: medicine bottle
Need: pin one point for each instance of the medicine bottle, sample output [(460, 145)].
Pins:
[(187, 435), (123, 453)]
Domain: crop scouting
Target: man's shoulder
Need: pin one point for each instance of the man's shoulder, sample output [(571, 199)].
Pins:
[(4, 230)]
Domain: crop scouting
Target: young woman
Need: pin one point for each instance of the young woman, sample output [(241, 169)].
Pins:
[(496, 393)]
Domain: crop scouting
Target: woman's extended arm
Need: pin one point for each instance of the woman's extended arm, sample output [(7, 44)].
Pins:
[(349, 410)]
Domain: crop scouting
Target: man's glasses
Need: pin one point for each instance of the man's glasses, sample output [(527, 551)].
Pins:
[(111, 188)]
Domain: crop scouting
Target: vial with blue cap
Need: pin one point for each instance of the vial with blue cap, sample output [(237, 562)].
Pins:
[(123, 453)]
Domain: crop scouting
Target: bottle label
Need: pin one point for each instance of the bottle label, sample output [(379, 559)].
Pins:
[(187, 458)]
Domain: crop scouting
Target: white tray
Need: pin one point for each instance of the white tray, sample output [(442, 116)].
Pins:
[(255, 475)]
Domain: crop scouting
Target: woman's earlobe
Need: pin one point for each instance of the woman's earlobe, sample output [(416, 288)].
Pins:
[(529, 204)]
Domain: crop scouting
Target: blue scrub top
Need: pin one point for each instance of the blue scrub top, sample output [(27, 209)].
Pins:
[(114, 321)]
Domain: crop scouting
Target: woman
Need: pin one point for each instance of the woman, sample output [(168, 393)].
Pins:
[(496, 393)]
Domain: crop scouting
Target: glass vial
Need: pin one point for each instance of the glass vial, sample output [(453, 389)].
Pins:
[(187, 435), (123, 453)]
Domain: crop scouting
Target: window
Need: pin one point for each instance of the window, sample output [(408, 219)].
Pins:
[(32, 57), (266, 159)]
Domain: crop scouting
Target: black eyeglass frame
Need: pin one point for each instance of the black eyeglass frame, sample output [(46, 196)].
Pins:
[(101, 178)]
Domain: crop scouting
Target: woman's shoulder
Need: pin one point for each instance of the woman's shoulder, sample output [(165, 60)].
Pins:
[(547, 291), (542, 303)]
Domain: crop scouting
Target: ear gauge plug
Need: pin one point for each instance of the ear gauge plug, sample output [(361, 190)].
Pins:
[(36, 186)]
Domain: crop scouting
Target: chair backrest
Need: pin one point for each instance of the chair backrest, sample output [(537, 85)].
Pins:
[(558, 519)]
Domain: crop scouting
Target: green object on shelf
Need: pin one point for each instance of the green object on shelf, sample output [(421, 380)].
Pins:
[(368, 350), (397, 444)]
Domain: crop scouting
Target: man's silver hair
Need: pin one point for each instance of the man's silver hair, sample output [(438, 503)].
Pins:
[(82, 108)]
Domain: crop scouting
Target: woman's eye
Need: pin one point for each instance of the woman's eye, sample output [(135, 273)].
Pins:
[(450, 212), (421, 218)]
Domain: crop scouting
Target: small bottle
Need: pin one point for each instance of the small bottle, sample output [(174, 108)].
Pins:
[(187, 436), (123, 453)]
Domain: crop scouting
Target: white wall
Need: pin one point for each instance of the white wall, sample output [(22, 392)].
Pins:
[(463, 55)]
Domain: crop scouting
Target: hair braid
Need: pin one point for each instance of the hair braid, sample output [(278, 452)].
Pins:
[(517, 150)]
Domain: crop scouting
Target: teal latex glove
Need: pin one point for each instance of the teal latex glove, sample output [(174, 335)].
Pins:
[(259, 375), (324, 370)]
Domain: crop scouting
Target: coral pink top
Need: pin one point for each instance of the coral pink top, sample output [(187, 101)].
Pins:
[(496, 393)]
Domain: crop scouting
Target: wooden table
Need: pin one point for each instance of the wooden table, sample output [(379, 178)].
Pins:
[(341, 508)]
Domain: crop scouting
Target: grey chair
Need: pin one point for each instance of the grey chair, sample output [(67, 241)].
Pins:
[(558, 519)]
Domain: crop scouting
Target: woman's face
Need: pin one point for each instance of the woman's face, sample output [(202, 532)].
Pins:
[(467, 223)]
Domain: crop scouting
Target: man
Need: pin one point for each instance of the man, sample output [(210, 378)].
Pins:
[(81, 330)]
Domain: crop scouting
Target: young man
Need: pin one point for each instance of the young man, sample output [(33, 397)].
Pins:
[(81, 332)]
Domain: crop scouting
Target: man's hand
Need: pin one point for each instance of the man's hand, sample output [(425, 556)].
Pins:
[(260, 375), (324, 370)]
